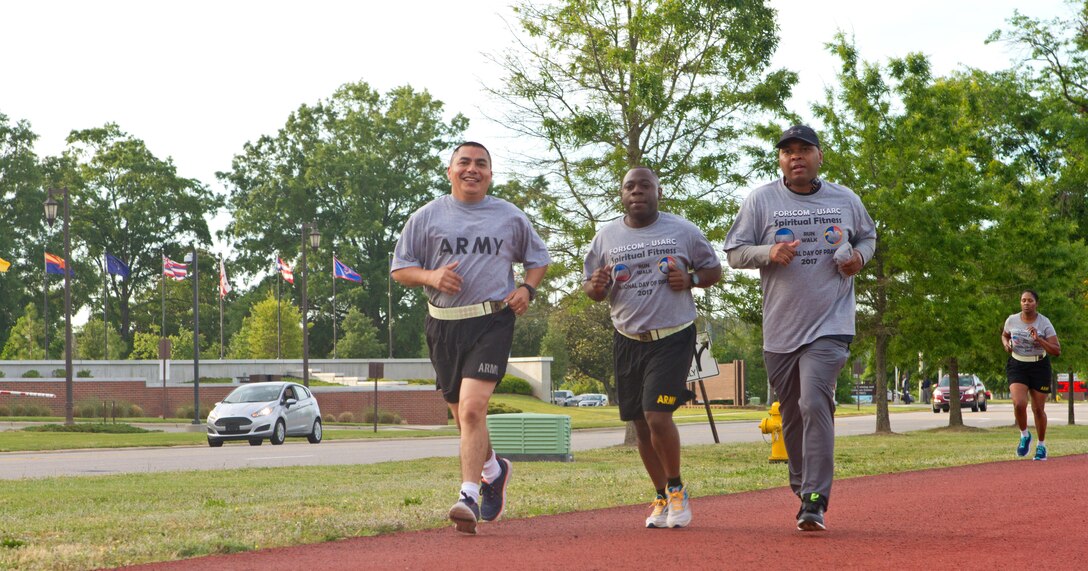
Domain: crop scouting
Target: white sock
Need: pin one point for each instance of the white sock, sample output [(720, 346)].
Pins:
[(492, 468), (1023, 433), (472, 490), (1042, 444)]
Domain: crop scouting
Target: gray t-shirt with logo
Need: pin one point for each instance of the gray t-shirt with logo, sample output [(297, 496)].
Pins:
[(486, 237), (809, 298), (640, 297), (1022, 343)]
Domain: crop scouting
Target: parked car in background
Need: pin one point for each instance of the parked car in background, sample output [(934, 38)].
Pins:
[(593, 399), (973, 394), (257, 411), (560, 397), (573, 401)]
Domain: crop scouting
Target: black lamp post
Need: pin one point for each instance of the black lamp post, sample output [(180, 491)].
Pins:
[(51, 217), (192, 259), (314, 239)]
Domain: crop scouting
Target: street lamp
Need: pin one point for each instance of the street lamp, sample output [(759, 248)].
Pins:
[(314, 238), (191, 258), (51, 217)]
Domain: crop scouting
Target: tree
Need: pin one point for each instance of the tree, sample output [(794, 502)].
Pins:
[(358, 164), (360, 340), (257, 337), (129, 203), (21, 234), (89, 341), (24, 343), (606, 85)]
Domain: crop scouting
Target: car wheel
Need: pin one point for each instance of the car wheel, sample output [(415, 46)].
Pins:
[(315, 435), (936, 410), (974, 406), (256, 441), (945, 409), (215, 442), (984, 405), (279, 434)]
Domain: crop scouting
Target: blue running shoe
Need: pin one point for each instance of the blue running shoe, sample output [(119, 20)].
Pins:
[(1040, 452), (811, 516), (464, 514), (1025, 443), (493, 494)]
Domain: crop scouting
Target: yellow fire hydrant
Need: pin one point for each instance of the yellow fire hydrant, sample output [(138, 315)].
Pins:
[(773, 425)]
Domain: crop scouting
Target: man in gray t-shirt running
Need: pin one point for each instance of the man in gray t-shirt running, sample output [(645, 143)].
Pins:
[(808, 238), (645, 264), (461, 248)]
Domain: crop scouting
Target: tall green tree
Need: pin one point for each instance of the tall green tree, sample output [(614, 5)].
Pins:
[(21, 233), (360, 340), (128, 202), (90, 341), (358, 164), (605, 85), (257, 337), (25, 339)]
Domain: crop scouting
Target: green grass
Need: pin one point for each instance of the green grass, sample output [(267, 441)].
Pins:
[(107, 521)]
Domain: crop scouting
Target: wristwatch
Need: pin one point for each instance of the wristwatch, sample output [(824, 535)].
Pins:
[(694, 280), (532, 290)]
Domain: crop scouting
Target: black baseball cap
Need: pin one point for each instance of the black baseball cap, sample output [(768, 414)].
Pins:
[(801, 133)]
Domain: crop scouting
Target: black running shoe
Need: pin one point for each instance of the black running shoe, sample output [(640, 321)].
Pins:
[(811, 516), (464, 514), (493, 494)]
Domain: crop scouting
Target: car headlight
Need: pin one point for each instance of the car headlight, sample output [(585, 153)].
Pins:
[(213, 416), (263, 412)]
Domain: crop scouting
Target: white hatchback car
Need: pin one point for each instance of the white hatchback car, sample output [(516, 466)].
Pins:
[(257, 411)]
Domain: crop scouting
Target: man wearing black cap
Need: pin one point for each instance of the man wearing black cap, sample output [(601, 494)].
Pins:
[(808, 238)]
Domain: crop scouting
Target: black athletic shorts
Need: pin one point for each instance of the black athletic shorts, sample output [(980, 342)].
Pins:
[(652, 375), (1035, 375), (477, 348)]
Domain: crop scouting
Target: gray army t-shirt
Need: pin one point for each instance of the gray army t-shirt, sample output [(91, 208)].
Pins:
[(640, 297), (1022, 343), (485, 237), (808, 298)]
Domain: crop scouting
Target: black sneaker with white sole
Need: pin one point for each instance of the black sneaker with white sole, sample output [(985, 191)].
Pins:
[(811, 516)]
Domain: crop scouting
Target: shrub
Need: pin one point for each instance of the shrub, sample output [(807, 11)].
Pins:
[(420, 381), (501, 408), (114, 409), (59, 373), (98, 428), (5, 411), (384, 417), (2, 375), (30, 410), (186, 411), (34, 374), (346, 417), (514, 385), (328, 418), (84, 374)]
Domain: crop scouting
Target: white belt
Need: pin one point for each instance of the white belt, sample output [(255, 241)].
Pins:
[(1027, 358), (465, 311), (655, 334)]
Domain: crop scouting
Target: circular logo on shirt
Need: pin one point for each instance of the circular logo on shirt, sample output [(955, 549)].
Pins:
[(621, 273), (663, 265), (783, 235), (833, 235)]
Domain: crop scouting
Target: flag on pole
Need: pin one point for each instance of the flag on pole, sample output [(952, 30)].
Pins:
[(54, 264), (4, 265), (224, 287), (285, 271), (344, 272), (172, 269), (115, 266)]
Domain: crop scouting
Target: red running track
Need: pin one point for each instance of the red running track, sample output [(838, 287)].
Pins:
[(1006, 515)]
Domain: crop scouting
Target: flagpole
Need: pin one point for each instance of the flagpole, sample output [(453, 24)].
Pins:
[(389, 312), (45, 312), (279, 310), (222, 293), (334, 304), (105, 303), (162, 286)]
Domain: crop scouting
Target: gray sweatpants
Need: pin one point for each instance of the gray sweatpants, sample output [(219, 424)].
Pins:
[(805, 383)]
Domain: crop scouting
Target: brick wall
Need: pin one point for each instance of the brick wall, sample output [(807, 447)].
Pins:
[(414, 406)]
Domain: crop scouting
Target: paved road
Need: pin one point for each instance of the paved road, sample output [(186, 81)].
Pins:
[(16, 465)]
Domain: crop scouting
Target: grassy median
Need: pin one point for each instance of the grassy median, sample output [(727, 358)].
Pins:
[(104, 521)]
